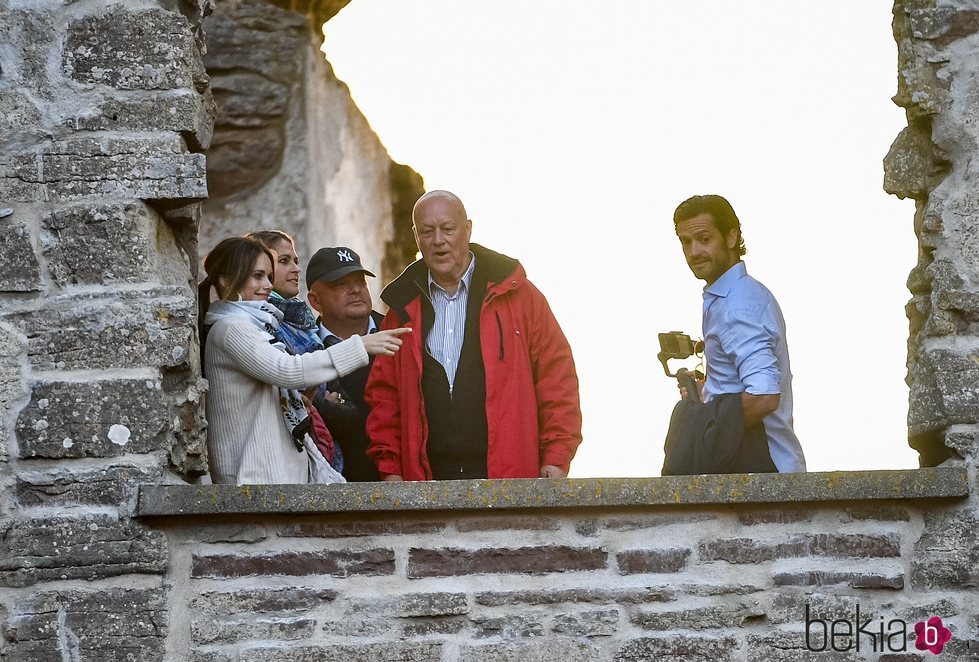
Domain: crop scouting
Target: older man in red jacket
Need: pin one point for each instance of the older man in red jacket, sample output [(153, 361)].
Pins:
[(485, 387)]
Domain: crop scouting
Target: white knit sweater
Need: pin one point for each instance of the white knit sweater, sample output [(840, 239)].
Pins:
[(248, 442)]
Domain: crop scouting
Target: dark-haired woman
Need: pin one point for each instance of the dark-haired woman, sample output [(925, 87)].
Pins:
[(255, 413)]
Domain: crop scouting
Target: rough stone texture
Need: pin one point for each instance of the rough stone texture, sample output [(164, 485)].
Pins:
[(206, 630), (361, 528), (291, 149), (13, 387), (261, 601), (946, 555), (143, 331), (519, 626), (746, 550), (791, 647), (109, 486), (566, 493), (82, 244), (851, 579), (433, 604), (552, 650), (448, 562), (693, 649), (97, 419), (114, 625), (93, 547), (652, 560), (599, 623), (337, 564), (21, 271), (700, 618), (931, 161), (383, 652), (133, 50), (574, 596)]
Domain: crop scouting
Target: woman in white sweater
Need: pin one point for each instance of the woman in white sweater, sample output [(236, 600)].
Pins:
[(254, 412)]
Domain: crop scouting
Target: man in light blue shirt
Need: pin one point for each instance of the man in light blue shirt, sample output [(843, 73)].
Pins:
[(744, 333)]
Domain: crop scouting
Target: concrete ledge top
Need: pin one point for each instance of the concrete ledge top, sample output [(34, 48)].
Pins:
[(916, 484)]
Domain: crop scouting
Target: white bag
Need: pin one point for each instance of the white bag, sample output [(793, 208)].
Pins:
[(320, 470)]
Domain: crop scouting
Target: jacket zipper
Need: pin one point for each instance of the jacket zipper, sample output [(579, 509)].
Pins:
[(499, 327)]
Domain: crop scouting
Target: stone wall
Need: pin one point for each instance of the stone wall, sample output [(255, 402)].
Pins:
[(596, 570), (105, 113), (932, 161), (291, 149)]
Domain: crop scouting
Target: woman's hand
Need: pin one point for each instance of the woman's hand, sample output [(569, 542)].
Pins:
[(384, 343)]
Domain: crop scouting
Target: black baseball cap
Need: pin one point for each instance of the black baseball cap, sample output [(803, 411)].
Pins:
[(333, 263)]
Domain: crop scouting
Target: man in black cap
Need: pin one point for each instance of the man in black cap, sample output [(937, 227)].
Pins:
[(338, 292)]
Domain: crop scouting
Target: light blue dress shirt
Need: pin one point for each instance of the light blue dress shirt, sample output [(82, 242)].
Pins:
[(444, 341), (745, 350)]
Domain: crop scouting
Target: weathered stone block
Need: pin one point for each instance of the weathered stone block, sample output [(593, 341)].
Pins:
[(184, 111), (946, 556), (549, 650), (963, 442), (450, 562), (591, 527), (513, 626), (433, 604), (261, 600), (19, 268), (341, 563), (599, 623), (93, 244), (909, 164), (373, 652), (691, 649), (13, 382), (113, 625), (753, 517), (150, 49), (790, 608), (97, 419), (208, 630), (359, 528), (747, 550), (108, 486), (135, 167), (829, 578), (427, 627), (242, 533), (575, 596), (791, 647), (943, 25), (876, 513), (652, 560), (141, 330), (700, 618), (476, 523), (93, 547), (256, 36)]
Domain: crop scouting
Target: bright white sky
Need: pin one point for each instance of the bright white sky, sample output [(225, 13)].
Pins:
[(572, 130)]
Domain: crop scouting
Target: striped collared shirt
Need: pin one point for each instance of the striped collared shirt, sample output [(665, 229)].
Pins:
[(444, 341)]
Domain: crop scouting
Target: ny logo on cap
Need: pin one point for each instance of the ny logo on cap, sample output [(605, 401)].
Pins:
[(345, 256)]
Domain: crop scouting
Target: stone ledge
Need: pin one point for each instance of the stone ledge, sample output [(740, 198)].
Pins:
[(916, 484)]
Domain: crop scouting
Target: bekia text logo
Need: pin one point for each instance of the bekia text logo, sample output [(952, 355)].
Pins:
[(931, 635), (844, 634)]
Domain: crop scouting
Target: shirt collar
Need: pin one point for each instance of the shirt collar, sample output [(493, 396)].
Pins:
[(371, 327), (464, 282), (722, 286)]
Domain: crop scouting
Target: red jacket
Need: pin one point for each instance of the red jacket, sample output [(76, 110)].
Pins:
[(532, 409)]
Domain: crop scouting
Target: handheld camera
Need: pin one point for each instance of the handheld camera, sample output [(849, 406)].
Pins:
[(678, 345)]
